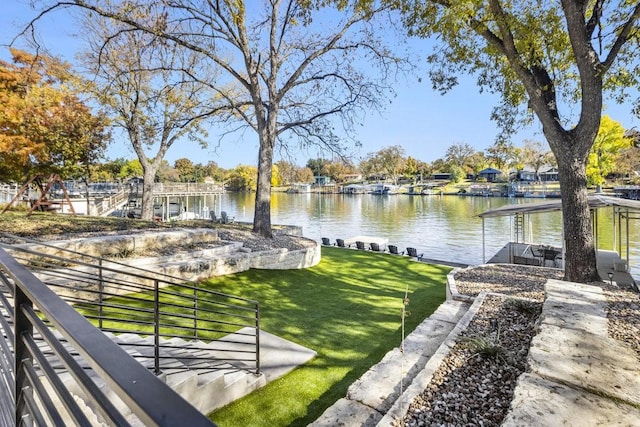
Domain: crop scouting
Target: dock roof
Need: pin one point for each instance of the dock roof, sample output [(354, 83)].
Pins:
[(595, 201)]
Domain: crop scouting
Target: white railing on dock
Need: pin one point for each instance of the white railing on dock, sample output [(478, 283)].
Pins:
[(160, 188)]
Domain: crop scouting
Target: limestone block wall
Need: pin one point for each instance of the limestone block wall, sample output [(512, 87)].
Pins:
[(118, 245), (283, 259)]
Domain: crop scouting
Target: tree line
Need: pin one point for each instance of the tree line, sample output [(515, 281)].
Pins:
[(615, 155)]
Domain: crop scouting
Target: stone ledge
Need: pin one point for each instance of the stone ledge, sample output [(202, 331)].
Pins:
[(573, 346), (420, 382), (539, 402)]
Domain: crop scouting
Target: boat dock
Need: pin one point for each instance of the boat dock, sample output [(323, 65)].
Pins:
[(530, 254)]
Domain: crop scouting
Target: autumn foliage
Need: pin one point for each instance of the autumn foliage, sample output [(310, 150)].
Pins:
[(45, 127)]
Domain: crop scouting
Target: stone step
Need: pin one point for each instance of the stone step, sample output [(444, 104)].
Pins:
[(375, 392), (578, 374)]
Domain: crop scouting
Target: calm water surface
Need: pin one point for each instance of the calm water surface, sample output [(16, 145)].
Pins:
[(441, 227)]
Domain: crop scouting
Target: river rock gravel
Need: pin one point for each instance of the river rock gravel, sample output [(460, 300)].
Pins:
[(474, 385)]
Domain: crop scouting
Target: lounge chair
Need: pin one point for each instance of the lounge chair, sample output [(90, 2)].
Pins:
[(393, 249), (375, 247), (360, 245), (413, 252), (224, 218), (326, 241), (340, 243)]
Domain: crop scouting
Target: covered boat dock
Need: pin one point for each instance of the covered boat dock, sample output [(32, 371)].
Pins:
[(520, 251)]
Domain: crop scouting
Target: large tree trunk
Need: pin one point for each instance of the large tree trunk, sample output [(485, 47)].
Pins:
[(580, 253), (262, 216), (149, 176)]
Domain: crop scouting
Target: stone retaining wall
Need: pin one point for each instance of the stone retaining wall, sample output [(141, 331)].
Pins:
[(224, 258)]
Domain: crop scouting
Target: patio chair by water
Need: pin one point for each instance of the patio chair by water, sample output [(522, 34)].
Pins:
[(360, 245), (326, 241), (375, 247), (413, 252), (393, 249), (224, 218), (340, 243)]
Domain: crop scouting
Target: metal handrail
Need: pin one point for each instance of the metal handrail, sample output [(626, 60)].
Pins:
[(36, 310), (97, 287)]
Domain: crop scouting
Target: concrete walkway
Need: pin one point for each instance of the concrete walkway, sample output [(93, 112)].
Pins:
[(578, 375)]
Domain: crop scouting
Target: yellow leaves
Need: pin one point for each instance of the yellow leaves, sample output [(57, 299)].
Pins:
[(42, 121), (237, 11)]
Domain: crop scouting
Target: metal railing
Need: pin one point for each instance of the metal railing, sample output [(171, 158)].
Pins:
[(51, 356), (220, 330), (111, 203)]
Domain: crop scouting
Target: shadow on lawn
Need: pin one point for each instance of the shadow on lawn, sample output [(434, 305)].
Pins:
[(348, 309)]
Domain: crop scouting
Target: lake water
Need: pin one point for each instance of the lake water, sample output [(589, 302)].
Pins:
[(441, 227)]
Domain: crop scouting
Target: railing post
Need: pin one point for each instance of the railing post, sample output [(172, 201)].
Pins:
[(257, 339), (195, 311), (22, 327), (100, 294), (156, 327)]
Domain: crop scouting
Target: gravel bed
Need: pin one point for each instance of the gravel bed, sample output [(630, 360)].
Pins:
[(474, 385)]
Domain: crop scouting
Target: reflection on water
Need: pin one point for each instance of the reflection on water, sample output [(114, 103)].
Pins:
[(443, 227)]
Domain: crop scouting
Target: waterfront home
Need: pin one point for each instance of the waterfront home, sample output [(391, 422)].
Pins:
[(490, 174), (300, 188)]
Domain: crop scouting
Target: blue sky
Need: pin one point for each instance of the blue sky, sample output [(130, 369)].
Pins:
[(422, 121)]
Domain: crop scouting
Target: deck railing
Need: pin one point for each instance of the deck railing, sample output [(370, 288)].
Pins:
[(51, 356), (118, 298)]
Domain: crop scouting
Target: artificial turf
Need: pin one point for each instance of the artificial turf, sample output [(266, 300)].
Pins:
[(348, 309)]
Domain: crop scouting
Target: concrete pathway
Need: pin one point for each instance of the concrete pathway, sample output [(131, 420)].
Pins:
[(578, 376)]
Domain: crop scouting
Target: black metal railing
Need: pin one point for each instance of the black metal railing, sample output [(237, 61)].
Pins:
[(58, 369), (119, 298)]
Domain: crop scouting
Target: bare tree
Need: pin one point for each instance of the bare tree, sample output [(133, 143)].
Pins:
[(535, 156), (140, 78), (298, 69)]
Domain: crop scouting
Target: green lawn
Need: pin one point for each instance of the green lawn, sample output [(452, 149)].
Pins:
[(348, 309)]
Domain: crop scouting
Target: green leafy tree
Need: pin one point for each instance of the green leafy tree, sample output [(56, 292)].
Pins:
[(459, 154), (477, 162), (114, 167), (392, 161), (243, 178), (503, 155), (410, 167), (186, 169), (212, 170), (318, 166), (457, 173), (541, 57), (131, 169), (606, 148)]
